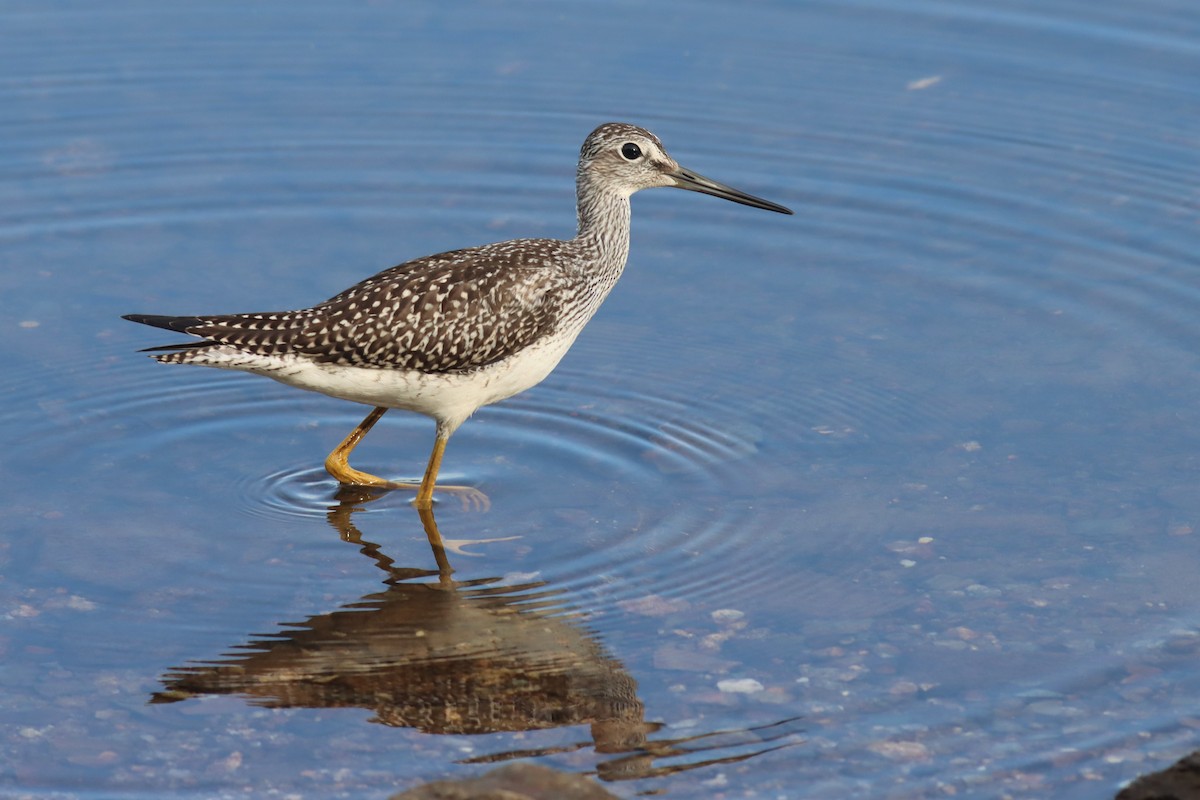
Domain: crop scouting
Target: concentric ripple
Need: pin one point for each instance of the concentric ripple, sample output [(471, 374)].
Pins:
[(611, 485), (610, 478)]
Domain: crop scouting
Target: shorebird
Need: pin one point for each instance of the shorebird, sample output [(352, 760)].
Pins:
[(447, 334)]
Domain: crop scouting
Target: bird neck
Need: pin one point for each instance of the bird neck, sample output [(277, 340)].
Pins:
[(604, 226)]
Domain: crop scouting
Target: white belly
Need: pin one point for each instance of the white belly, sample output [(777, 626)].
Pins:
[(448, 397)]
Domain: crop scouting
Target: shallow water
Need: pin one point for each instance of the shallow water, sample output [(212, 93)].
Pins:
[(894, 498)]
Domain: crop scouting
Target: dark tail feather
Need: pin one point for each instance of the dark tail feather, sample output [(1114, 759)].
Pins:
[(185, 346), (178, 324)]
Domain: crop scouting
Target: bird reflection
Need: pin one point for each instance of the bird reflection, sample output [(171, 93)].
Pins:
[(446, 656)]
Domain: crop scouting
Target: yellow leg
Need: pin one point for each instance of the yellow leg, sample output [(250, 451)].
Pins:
[(338, 465), (425, 493)]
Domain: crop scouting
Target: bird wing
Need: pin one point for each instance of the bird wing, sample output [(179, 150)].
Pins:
[(444, 313)]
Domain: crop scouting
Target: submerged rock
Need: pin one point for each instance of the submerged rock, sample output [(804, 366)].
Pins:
[(1180, 781), (512, 782)]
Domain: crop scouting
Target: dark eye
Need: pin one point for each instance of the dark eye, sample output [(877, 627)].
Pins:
[(631, 151)]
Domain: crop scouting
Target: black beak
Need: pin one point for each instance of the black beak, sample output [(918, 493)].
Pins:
[(685, 179)]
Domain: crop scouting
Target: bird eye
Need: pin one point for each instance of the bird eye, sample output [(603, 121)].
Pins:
[(631, 151)]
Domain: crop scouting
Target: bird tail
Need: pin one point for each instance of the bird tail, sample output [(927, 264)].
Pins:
[(177, 324)]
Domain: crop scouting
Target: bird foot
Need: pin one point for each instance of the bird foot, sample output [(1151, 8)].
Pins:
[(472, 499), (457, 546)]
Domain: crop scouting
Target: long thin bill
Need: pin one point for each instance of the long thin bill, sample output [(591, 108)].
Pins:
[(693, 182)]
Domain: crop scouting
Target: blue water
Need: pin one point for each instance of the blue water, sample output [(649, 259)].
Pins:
[(903, 485)]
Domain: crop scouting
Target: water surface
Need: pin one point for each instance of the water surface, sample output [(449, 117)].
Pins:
[(892, 498)]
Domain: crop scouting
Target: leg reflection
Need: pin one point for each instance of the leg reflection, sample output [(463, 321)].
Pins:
[(352, 499)]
